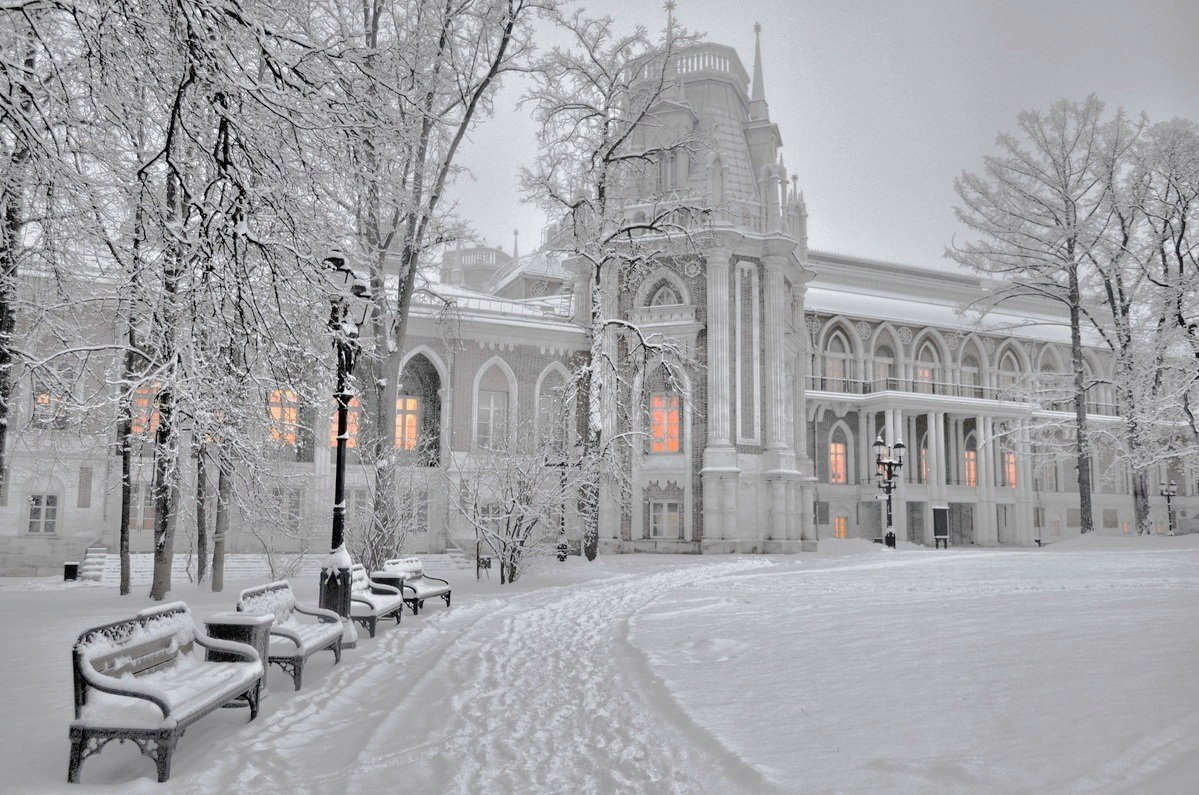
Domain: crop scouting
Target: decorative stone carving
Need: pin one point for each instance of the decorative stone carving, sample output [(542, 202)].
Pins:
[(953, 341), (905, 335), (691, 269), (989, 345), (863, 329)]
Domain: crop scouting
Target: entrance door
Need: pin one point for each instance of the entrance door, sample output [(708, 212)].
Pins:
[(961, 523)]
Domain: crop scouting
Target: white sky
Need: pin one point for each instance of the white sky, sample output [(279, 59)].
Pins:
[(881, 103)]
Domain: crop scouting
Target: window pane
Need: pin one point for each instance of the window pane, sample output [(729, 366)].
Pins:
[(665, 423)]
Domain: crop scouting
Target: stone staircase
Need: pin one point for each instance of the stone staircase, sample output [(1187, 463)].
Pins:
[(94, 562)]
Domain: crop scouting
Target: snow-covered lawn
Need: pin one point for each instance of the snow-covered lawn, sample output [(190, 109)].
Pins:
[(1073, 668)]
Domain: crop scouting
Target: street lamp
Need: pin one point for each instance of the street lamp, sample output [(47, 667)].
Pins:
[(348, 311), (889, 461), (1170, 492)]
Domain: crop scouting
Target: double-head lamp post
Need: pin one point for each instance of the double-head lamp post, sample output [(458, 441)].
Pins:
[(349, 307), (1170, 491), (889, 461)]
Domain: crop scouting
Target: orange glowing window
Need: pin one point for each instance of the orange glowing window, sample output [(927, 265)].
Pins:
[(284, 410), (407, 422), (1009, 469), (838, 462), (352, 419), (840, 527), (924, 465), (664, 423), (144, 418), (971, 468)]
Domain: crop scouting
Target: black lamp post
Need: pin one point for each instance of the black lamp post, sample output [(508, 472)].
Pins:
[(347, 313), (889, 461), (1170, 492)]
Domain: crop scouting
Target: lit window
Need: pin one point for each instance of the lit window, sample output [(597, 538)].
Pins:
[(284, 410), (43, 514), (407, 422), (491, 430), (840, 527), (971, 468), (50, 398), (1009, 469), (145, 410), (353, 418), (924, 465), (838, 462), (664, 423), (664, 518)]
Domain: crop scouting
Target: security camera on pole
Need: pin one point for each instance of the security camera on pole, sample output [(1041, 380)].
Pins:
[(348, 311), (889, 461)]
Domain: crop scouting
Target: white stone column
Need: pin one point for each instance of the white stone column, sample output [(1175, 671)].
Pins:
[(719, 342), (984, 519), (776, 382)]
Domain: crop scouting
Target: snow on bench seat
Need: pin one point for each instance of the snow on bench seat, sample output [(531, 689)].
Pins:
[(293, 639), (144, 679), (370, 600), (418, 586)]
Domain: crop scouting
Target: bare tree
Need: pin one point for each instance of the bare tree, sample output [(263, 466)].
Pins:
[(615, 135), (1036, 215)]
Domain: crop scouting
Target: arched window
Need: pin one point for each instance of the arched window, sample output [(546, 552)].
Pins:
[(491, 419), (971, 378), (418, 410), (928, 369), (666, 295), (837, 362), (1009, 371), (665, 422), (838, 456), (970, 461), (884, 367)]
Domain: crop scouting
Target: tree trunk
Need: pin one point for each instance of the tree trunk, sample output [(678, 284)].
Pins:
[(1082, 445), (1140, 503), (201, 514), (224, 490), (125, 426)]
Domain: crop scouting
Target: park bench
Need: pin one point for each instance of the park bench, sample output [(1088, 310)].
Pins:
[(370, 600), (418, 586), (144, 680), (293, 640)]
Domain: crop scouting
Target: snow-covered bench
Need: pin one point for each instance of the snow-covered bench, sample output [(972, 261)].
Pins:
[(293, 641), (418, 586), (143, 679), (370, 600)]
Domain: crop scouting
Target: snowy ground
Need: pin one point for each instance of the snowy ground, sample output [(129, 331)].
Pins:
[(1073, 668)]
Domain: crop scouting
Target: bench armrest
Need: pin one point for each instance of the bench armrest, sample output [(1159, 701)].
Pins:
[(288, 634), (230, 646), (121, 687), (427, 577), (383, 588), (326, 616)]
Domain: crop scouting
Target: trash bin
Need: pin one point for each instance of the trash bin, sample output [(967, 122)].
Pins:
[(70, 571), (891, 540)]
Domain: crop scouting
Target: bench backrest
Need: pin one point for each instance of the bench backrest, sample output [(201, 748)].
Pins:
[(274, 598), (411, 568), (151, 640), (359, 581)]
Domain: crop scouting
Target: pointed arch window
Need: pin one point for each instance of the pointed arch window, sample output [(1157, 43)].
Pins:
[(838, 456), (928, 369), (970, 461), (1009, 371), (884, 367), (971, 376), (493, 409), (836, 363), (665, 423), (408, 422), (666, 295)]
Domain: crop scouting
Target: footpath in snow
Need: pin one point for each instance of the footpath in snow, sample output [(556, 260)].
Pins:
[(1066, 669)]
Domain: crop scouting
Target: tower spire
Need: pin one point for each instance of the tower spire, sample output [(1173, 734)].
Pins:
[(759, 91), (669, 5)]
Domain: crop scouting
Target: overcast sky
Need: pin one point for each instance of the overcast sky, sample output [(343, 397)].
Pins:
[(881, 103)]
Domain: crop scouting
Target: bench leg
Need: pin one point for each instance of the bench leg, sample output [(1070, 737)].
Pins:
[(371, 629), (297, 673), (78, 741), (337, 651), (166, 747), (446, 597)]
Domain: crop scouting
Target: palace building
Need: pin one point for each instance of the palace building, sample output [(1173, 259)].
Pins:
[(804, 359)]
